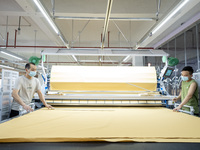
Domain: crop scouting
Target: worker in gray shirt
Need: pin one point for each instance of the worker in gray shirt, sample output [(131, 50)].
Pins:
[(24, 90)]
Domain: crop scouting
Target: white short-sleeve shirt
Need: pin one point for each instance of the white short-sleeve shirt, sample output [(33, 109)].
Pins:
[(27, 88)]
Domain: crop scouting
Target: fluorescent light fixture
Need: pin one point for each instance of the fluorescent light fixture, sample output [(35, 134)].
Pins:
[(6, 67), (49, 19), (170, 16), (46, 15), (103, 18), (74, 58), (126, 58), (11, 55)]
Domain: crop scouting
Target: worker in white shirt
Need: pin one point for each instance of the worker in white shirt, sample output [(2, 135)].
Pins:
[(24, 90)]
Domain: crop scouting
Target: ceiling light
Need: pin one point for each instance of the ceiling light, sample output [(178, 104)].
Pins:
[(103, 18), (46, 15), (170, 16), (6, 67), (50, 21), (11, 55)]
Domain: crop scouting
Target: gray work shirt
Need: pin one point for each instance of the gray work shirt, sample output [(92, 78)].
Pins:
[(27, 88)]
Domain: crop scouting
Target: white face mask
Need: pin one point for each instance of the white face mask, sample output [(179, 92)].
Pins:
[(184, 78), (32, 73)]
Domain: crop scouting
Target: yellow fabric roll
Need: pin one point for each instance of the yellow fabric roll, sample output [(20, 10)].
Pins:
[(103, 78)]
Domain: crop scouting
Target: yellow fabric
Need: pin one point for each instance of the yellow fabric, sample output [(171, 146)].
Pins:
[(71, 86), (138, 124), (106, 78)]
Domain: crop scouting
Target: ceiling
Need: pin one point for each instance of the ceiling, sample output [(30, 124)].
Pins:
[(81, 24)]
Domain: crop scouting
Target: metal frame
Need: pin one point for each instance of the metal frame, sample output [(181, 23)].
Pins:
[(105, 52), (191, 112), (115, 98)]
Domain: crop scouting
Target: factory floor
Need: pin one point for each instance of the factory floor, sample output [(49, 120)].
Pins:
[(99, 146)]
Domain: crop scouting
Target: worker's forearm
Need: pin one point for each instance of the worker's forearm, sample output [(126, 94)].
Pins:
[(187, 98), (18, 99), (42, 98), (179, 96)]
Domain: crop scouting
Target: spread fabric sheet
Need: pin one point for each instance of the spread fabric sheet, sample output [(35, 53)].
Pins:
[(103, 78), (113, 124)]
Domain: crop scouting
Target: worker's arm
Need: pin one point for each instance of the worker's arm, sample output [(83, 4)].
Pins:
[(18, 100), (177, 98), (41, 96), (191, 91)]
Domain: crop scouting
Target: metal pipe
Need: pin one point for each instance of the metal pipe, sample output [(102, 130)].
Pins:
[(53, 6), (72, 33), (119, 39), (71, 47), (15, 39), (197, 41), (107, 62), (7, 40), (101, 37), (121, 33), (65, 47), (79, 38), (185, 49), (81, 31), (175, 68), (108, 12), (98, 62), (35, 41), (108, 38), (158, 9), (145, 48), (27, 46), (14, 25), (19, 24), (130, 32)]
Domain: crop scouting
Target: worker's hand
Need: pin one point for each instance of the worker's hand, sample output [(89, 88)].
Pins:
[(177, 108), (27, 108), (49, 106), (175, 99)]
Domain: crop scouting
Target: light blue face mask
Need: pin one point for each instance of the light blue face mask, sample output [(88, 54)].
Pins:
[(184, 78), (32, 73)]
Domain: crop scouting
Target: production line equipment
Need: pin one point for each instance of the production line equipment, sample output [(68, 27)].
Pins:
[(76, 91), (106, 85)]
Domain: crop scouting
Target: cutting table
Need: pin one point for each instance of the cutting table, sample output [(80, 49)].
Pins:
[(103, 119), (148, 127)]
